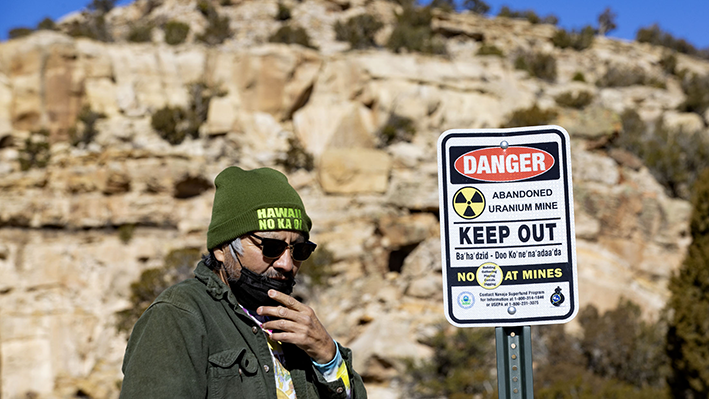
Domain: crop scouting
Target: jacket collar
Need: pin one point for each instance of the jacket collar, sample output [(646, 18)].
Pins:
[(214, 285)]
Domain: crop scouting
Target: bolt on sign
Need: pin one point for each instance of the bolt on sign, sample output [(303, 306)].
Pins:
[(507, 227)]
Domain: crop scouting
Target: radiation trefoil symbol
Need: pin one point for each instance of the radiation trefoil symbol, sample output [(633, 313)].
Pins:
[(469, 202)]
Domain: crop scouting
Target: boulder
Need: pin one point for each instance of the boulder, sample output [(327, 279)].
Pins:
[(356, 170)]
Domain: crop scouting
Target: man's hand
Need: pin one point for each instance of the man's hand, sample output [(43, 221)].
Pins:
[(297, 324)]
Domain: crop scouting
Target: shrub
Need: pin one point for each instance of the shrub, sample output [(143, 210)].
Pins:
[(397, 129), (617, 76), (539, 65), (169, 122), (102, 6), (656, 36), (578, 77), (17, 33), (177, 266), (532, 116), (529, 15), (140, 33), (218, 29), (618, 356), (125, 232), (668, 62), (462, 365), (675, 159), (577, 100), (445, 5), (176, 32), (296, 157), (291, 35), (35, 153), (358, 31), (688, 333), (283, 13), (696, 88), (577, 40), (85, 131), (174, 124), (413, 32), (476, 6), (46, 24), (93, 27), (490, 49)]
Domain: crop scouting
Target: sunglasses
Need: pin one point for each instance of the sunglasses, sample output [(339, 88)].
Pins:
[(273, 249)]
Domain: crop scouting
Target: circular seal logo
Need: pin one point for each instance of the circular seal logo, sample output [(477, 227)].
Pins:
[(489, 275), (469, 202), (557, 298), (466, 300)]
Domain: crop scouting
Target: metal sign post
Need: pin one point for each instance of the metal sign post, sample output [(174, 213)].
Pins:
[(507, 235), (514, 362)]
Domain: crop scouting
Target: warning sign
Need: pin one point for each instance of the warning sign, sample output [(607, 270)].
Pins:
[(507, 226)]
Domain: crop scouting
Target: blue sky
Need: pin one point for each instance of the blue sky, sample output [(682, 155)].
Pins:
[(683, 19)]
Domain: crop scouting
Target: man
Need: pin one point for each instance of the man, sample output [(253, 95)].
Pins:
[(234, 331)]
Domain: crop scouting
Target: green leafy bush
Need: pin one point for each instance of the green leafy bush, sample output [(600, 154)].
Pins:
[(696, 88), (283, 13), (490, 49), (35, 152), (578, 100), (397, 129), (444, 5), (529, 15), (655, 35), (674, 158), (46, 24), (618, 355), (688, 333), (577, 40), (102, 6), (94, 27), (296, 157), (17, 33), (125, 232), (539, 65), (170, 123), (177, 266), (174, 124), (413, 32), (578, 77), (84, 131), (176, 32), (476, 6), (462, 366), (668, 62), (140, 33), (532, 116), (218, 29), (291, 35), (358, 31), (620, 76)]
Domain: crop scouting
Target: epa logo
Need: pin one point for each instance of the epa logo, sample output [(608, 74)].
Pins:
[(466, 300)]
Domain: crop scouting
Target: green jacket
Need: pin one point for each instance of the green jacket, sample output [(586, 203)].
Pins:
[(194, 341)]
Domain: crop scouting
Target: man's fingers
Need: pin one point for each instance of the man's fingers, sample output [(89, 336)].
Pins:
[(286, 300)]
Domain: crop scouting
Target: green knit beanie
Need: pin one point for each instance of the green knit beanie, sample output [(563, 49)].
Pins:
[(254, 200)]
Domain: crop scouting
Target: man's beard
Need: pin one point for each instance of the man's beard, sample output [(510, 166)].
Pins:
[(251, 289)]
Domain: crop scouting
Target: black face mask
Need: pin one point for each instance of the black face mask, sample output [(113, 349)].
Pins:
[(251, 289)]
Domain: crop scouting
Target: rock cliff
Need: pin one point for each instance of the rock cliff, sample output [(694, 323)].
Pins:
[(77, 232)]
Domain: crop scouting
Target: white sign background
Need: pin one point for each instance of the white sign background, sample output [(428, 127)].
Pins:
[(509, 254)]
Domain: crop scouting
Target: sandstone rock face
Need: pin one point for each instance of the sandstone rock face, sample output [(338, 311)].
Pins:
[(75, 235)]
